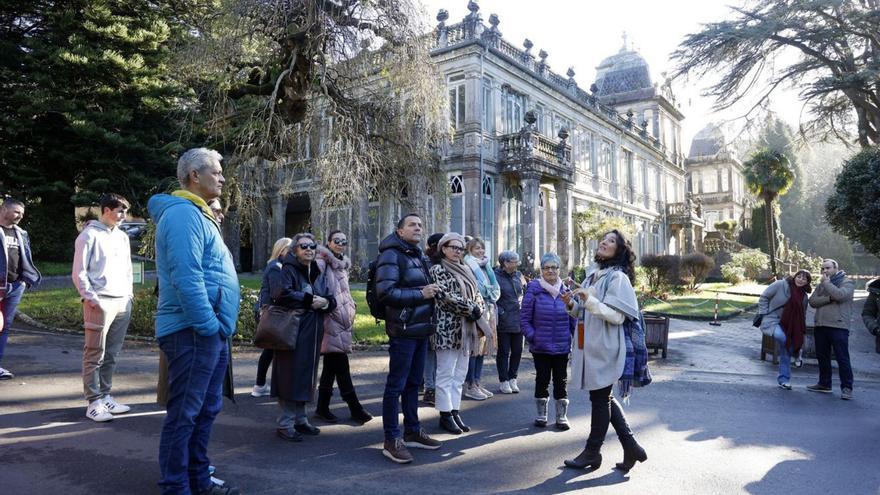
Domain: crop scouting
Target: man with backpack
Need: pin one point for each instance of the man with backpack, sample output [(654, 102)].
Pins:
[(400, 290)]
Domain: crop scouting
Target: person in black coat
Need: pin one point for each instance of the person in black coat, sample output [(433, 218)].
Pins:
[(510, 338), (300, 285)]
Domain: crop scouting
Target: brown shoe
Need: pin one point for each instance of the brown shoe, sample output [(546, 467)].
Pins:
[(396, 451), (420, 440)]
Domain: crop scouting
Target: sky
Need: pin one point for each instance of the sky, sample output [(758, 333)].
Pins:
[(581, 33)]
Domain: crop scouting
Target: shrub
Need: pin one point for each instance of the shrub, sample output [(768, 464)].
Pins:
[(695, 267), (752, 261), (732, 273), (661, 271)]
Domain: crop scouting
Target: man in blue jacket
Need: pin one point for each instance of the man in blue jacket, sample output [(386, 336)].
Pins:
[(17, 270), (198, 307)]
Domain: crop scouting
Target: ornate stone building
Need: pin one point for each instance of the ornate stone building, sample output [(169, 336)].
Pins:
[(529, 149)]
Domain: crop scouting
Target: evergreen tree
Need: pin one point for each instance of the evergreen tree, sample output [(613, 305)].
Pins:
[(87, 107), (768, 176)]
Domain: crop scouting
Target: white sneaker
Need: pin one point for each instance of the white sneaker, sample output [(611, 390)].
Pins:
[(98, 412), (472, 392), (5, 374), (485, 391), (114, 407), (505, 388), (513, 387), (261, 391)]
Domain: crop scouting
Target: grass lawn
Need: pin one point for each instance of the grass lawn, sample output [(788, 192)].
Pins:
[(62, 308), (700, 304), (55, 268)]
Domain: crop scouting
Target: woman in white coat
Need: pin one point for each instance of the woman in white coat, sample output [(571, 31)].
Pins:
[(606, 300)]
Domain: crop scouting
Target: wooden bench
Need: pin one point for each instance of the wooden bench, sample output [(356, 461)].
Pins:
[(768, 346), (657, 334)]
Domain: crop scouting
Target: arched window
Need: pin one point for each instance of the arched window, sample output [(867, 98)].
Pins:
[(456, 204)]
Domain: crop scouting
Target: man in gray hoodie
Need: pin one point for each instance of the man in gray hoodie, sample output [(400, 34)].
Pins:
[(102, 274)]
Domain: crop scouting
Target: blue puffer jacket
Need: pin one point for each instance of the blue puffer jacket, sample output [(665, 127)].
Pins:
[(545, 322), (198, 286)]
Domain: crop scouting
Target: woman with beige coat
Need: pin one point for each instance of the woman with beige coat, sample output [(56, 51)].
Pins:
[(605, 300)]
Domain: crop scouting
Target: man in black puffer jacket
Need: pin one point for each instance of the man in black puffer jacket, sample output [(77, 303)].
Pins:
[(404, 287)]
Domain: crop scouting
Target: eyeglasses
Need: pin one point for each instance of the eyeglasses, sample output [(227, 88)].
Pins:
[(550, 268), (310, 247), (457, 249), (340, 242)]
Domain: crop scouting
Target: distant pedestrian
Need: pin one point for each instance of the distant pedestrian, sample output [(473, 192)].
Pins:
[(102, 274), (548, 327), (17, 270), (279, 251), (510, 339), (599, 355), (833, 299), (481, 265), (784, 306), (871, 310), (431, 357), (300, 285), (196, 316), (338, 334), (461, 323), (404, 288)]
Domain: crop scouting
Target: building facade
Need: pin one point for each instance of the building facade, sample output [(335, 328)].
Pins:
[(530, 148)]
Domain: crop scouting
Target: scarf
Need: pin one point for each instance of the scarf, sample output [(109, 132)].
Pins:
[(554, 289), (838, 277), (199, 202), (469, 292), (793, 321)]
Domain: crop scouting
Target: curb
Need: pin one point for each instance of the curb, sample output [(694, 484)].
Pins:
[(724, 317)]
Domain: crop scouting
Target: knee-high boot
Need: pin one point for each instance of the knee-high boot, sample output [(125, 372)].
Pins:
[(632, 451), (358, 413), (323, 406), (600, 417)]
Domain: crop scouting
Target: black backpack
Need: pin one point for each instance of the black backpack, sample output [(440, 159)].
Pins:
[(377, 309)]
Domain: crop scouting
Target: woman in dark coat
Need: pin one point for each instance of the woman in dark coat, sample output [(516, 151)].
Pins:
[(510, 339), (300, 285)]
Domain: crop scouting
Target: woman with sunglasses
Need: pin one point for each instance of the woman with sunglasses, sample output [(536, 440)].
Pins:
[(338, 326), (303, 286), (279, 251), (548, 327), (606, 300), (460, 324)]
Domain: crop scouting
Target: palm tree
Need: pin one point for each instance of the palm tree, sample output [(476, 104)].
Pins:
[(768, 175)]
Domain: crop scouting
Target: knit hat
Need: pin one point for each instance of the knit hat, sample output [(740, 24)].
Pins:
[(450, 236)]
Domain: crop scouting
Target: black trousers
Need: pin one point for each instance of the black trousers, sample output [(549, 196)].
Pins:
[(263, 366), (336, 368), (547, 366), (510, 346), (605, 411)]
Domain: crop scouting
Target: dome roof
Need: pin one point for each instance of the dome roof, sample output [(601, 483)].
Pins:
[(710, 141), (623, 72)]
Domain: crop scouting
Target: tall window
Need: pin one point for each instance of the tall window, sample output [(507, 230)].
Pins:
[(542, 222), (651, 181), (513, 111), (543, 122), (725, 179), (639, 176), (626, 170), (456, 101), (456, 204), (488, 107), (605, 158), (584, 145), (513, 196), (488, 227), (710, 181)]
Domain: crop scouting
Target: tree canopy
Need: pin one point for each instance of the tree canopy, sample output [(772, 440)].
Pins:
[(829, 49), (768, 174), (854, 208)]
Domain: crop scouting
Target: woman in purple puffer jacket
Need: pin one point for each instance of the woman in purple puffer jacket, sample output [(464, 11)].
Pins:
[(548, 328)]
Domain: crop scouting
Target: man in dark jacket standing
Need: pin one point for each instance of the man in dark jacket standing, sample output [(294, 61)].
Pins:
[(833, 299), (404, 287)]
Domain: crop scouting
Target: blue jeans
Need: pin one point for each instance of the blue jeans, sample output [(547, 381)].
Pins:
[(430, 368), (196, 368), (475, 370), (9, 306), (783, 355), (838, 338), (406, 368)]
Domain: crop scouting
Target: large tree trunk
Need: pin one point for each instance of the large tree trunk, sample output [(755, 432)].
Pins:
[(771, 232)]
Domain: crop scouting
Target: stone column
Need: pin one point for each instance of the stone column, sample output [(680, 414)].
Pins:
[(278, 207), (473, 189), (232, 236), (564, 234), (531, 183), (316, 217), (260, 229)]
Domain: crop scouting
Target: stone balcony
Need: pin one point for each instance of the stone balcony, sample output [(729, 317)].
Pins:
[(683, 214), (530, 152)]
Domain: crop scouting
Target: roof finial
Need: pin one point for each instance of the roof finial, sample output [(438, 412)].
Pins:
[(623, 49)]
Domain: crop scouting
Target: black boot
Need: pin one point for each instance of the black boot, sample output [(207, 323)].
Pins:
[(457, 418), (448, 423), (358, 413), (589, 457), (323, 408), (632, 451)]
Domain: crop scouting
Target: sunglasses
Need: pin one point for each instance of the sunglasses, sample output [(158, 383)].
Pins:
[(340, 242), (551, 267), (310, 247)]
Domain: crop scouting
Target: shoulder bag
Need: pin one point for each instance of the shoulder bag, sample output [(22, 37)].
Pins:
[(278, 328)]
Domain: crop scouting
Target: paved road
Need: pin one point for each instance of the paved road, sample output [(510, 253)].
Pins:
[(713, 422)]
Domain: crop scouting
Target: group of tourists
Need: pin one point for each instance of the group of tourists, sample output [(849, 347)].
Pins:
[(444, 310)]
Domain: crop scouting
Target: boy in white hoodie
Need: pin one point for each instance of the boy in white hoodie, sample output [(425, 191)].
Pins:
[(102, 274)]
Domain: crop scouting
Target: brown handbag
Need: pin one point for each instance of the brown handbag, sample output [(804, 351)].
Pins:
[(278, 328)]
